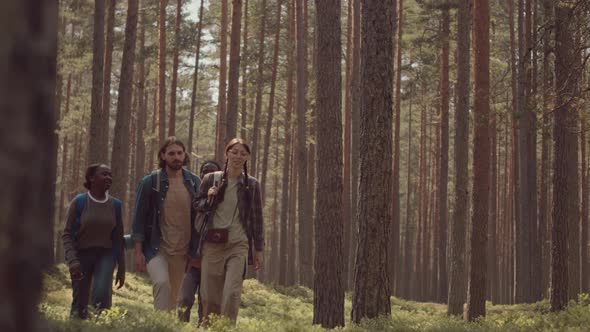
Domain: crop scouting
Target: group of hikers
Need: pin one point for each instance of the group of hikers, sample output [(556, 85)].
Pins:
[(192, 234)]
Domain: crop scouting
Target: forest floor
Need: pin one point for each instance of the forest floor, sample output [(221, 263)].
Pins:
[(268, 308)]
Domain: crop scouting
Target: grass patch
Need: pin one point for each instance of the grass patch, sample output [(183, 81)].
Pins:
[(268, 308)]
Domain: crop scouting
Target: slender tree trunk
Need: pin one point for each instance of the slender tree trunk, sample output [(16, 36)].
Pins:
[(457, 272), (492, 272), (174, 81), (191, 123), (346, 172), (394, 241), (108, 60), (271, 99), (547, 85), (234, 74), (292, 274), (355, 134), (244, 93), (274, 256), (371, 289), (328, 287), (305, 240), (476, 287), (222, 97), (162, 72), (565, 165), (141, 143), (285, 191), (444, 157), (27, 90), (120, 155), (259, 87), (404, 287), (98, 145)]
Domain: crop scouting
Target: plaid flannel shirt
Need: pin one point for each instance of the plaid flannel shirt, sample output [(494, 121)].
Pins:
[(250, 208)]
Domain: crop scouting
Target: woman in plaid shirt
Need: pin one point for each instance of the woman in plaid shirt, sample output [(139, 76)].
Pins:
[(234, 235)]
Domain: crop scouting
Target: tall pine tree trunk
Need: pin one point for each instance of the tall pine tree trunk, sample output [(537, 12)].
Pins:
[(271, 98), (108, 60), (191, 123), (371, 289), (457, 271), (234, 73), (98, 145), (476, 288), (244, 93), (174, 81), (355, 134), (565, 164), (328, 287), (120, 156), (259, 86), (444, 156), (305, 241), (285, 190), (222, 97), (162, 72), (27, 90), (346, 172)]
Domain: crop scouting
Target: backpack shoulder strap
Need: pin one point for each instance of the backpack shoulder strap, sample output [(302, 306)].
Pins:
[(217, 177), (80, 202)]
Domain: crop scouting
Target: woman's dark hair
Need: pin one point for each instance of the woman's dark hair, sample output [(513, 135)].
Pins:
[(90, 172), (221, 194), (208, 162), (171, 141)]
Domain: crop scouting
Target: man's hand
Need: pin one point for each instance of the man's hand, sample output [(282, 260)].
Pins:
[(139, 258)]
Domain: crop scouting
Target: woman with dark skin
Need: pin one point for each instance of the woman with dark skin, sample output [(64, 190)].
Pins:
[(235, 236), (93, 243)]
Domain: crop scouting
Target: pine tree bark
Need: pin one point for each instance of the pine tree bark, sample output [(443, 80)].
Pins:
[(371, 289), (191, 123), (162, 72), (285, 190), (305, 240), (259, 86), (120, 154), (328, 287), (271, 98), (234, 74), (546, 86), (140, 145), (346, 172), (565, 164), (244, 93), (222, 95), (457, 271), (27, 89), (444, 156), (174, 81), (108, 60), (394, 235), (405, 287), (355, 134), (476, 288), (98, 145)]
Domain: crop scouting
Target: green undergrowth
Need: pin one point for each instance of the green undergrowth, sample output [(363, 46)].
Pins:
[(273, 308)]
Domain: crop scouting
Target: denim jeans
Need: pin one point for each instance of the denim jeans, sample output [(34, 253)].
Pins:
[(186, 296), (97, 265)]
